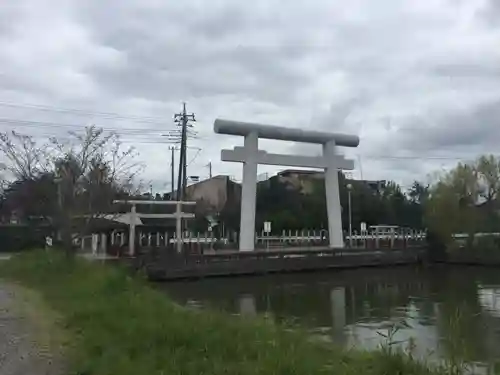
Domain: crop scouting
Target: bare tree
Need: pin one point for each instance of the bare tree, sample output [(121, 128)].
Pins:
[(3, 178), (24, 166), (90, 170), (26, 158)]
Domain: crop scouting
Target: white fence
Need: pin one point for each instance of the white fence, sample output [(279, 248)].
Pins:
[(466, 235), (99, 243)]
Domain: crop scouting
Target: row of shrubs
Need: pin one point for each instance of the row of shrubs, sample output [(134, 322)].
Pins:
[(15, 238)]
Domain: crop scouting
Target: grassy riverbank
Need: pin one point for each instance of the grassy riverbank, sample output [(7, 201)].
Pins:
[(119, 325)]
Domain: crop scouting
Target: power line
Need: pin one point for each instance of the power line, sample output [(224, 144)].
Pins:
[(174, 136), (407, 157), (194, 157), (128, 139), (139, 138), (82, 112), (38, 124)]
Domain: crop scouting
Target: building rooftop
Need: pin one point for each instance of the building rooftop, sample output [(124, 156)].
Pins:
[(299, 171)]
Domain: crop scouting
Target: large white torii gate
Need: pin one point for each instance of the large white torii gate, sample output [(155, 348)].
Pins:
[(251, 156)]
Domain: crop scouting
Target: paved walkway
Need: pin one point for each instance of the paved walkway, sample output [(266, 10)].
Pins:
[(19, 353)]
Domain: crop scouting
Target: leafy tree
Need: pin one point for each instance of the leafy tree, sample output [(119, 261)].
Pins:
[(418, 193), (289, 208), (31, 198), (465, 199), (488, 174)]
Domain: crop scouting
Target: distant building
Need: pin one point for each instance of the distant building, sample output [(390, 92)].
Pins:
[(375, 185), (303, 180), (214, 194)]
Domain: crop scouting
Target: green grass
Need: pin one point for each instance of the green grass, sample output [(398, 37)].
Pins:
[(119, 325)]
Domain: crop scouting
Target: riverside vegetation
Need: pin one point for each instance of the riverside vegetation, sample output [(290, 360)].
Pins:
[(118, 324)]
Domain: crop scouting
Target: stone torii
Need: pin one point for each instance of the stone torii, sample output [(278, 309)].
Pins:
[(251, 156)]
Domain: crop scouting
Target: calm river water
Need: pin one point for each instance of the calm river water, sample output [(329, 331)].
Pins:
[(441, 310)]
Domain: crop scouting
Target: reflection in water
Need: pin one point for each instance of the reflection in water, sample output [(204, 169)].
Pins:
[(489, 298), (337, 298), (440, 311), (247, 305)]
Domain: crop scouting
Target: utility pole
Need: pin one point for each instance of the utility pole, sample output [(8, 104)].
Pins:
[(209, 165), (360, 166), (184, 169), (182, 120), (172, 169)]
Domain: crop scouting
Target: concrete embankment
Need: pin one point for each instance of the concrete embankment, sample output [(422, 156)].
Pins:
[(163, 266)]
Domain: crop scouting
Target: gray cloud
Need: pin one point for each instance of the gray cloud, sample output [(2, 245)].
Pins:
[(490, 12), (412, 78), (170, 53), (477, 130)]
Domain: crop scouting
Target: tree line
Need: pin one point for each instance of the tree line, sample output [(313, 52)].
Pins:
[(289, 208), (461, 200), (465, 199)]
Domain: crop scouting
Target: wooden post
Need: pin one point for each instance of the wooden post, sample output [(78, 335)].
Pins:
[(95, 243), (141, 237), (131, 234), (104, 240)]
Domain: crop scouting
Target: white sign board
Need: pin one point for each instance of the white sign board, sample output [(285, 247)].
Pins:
[(363, 227), (212, 222), (267, 226)]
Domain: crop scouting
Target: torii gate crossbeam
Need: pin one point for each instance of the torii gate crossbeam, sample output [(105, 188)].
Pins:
[(251, 156)]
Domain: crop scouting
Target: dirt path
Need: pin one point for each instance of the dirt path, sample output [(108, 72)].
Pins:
[(27, 337)]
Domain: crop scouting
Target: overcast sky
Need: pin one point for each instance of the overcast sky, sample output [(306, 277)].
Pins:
[(417, 80)]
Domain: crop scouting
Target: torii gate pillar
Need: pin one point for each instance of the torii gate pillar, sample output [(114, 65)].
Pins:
[(249, 193), (251, 156), (333, 208)]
